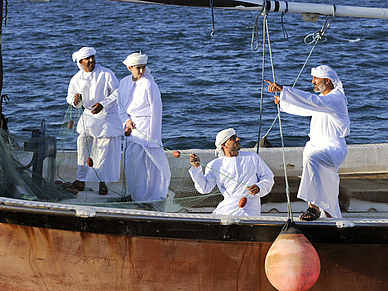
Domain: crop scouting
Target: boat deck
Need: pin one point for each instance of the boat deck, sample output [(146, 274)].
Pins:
[(359, 194)]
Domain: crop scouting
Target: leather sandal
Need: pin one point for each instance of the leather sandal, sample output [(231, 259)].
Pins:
[(310, 214), (103, 189)]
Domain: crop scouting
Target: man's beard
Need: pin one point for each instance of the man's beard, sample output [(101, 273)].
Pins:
[(319, 88)]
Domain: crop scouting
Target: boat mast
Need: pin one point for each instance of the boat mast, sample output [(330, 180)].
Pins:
[(322, 9)]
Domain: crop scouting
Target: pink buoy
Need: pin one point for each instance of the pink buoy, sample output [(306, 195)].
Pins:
[(292, 263)]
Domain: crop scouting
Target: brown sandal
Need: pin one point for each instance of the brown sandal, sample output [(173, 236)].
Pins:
[(103, 189), (310, 214)]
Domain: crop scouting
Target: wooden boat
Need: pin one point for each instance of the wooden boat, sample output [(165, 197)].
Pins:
[(61, 246), (70, 245)]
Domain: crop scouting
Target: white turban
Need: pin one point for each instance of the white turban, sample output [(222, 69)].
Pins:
[(82, 54), (221, 138), (329, 73), (136, 59)]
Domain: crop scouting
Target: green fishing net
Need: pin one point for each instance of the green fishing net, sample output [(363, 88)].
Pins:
[(41, 168)]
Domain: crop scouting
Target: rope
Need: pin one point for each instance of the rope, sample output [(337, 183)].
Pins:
[(280, 131), (317, 37), (265, 23), (87, 147), (206, 166), (212, 8), (255, 34), (285, 33), (202, 164)]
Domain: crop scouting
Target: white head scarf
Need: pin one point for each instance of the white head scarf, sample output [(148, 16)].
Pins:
[(329, 73), (221, 138), (82, 54), (136, 59)]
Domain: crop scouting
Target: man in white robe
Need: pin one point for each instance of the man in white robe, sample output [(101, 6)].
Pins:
[(237, 174), (140, 110), (326, 149), (95, 89)]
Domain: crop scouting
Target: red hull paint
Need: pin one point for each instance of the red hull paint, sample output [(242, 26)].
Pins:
[(34, 259)]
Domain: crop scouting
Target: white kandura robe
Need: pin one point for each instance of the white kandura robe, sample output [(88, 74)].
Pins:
[(146, 166), (248, 169), (326, 149), (99, 134)]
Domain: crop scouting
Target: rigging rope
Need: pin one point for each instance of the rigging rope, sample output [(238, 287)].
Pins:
[(285, 33), (316, 37), (281, 132), (212, 8), (265, 24)]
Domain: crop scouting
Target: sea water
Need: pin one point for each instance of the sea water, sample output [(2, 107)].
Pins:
[(207, 83)]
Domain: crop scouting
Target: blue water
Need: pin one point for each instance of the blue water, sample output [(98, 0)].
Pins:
[(207, 83)]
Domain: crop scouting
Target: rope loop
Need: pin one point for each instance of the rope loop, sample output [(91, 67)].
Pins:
[(255, 35), (255, 30), (315, 37)]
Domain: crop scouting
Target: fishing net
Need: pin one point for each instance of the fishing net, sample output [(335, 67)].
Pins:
[(27, 168), (41, 168)]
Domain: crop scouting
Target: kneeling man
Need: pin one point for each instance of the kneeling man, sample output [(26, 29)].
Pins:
[(231, 172)]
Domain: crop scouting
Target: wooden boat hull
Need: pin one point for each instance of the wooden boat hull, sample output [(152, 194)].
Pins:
[(62, 249)]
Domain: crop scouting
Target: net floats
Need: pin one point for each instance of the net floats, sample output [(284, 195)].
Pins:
[(70, 124), (176, 154), (242, 202), (89, 161), (292, 263)]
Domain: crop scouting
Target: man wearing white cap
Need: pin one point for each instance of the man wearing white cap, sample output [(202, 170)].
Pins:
[(140, 109), (237, 174), (326, 149), (95, 88)]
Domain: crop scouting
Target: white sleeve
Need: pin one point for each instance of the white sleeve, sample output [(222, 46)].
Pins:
[(203, 184), (155, 101), (265, 178), (304, 103), (113, 88), (71, 92), (123, 114)]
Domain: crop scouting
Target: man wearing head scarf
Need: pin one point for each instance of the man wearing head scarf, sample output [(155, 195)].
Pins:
[(326, 149), (140, 110), (237, 174), (95, 89)]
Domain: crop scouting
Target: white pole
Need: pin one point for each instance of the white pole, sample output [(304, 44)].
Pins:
[(322, 9)]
